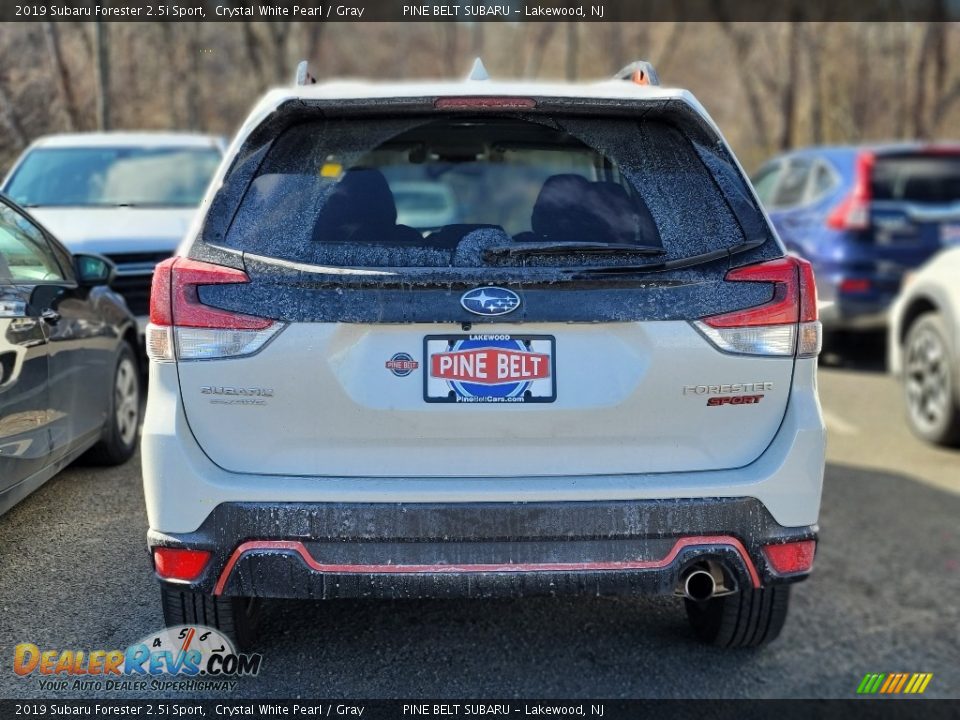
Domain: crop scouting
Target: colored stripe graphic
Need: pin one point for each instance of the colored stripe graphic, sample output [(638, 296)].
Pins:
[(891, 682), (894, 683), (870, 683)]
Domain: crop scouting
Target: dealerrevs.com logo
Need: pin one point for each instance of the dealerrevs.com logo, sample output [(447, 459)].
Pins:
[(187, 658)]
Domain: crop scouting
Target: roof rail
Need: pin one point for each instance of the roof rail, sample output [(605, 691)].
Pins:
[(303, 76), (641, 72)]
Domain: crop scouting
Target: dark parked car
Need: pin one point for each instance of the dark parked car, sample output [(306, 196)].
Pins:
[(863, 216), (69, 381)]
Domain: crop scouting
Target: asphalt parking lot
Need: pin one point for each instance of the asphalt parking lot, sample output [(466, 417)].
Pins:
[(74, 573)]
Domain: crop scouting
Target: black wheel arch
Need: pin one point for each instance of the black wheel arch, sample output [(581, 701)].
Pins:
[(918, 307)]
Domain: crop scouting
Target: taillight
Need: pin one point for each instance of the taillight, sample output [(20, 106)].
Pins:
[(183, 328), (853, 212), (853, 286), (785, 326), (791, 557), (180, 563)]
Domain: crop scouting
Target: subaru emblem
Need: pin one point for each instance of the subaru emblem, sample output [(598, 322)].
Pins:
[(490, 301)]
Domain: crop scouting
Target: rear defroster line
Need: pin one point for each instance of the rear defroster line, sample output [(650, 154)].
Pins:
[(298, 547)]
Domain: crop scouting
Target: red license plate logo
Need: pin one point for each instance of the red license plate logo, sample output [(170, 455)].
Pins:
[(490, 366)]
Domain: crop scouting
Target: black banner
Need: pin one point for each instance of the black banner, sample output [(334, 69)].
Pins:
[(477, 11), (486, 709)]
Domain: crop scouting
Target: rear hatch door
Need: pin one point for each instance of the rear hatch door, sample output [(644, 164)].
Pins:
[(490, 346)]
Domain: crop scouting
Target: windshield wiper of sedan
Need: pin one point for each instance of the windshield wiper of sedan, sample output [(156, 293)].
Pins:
[(522, 249), (676, 264)]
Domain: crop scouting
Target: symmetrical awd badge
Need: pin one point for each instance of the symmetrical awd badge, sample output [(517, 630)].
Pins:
[(490, 301)]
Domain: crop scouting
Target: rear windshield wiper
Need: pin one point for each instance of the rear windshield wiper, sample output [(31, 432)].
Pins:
[(522, 249), (677, 264)]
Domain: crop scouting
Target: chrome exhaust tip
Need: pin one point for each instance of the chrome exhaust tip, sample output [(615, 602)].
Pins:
[(699, 585)]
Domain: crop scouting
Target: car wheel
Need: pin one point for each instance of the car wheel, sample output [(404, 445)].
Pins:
[(928, 382), (748, 618), (119, 439), (235, 617)]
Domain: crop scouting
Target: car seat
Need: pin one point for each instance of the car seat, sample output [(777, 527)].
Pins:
[(361, 209)]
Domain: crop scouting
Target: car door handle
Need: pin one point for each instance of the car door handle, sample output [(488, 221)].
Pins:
[(50, 316)]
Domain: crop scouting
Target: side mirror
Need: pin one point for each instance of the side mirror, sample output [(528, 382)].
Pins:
[(93, 270)]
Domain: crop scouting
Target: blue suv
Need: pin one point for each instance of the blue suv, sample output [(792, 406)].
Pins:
[(863, 216)]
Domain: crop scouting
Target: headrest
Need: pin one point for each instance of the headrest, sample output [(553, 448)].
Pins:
[(558, 213), (361, 201)]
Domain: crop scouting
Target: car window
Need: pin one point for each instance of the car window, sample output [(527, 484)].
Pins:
[(765, 181), (112, 176), (824, 181), (790, 189), (27, 256), (429, 192), (919, 178)]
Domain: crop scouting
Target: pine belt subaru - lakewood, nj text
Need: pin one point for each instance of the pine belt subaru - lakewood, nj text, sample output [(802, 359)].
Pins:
[(597, 377)]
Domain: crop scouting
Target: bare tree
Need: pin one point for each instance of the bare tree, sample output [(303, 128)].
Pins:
[(670, 46), (741, 42), (450, 47), (932, 75), (311, 49), (788, 93), (103, 76), (573, 50), (10, 118), (52, 36), (194, 88), (172, 78), (477, 39), (812, 42), (615, 46), (539, 37), (768, 85), (252, 45), (280, 36)]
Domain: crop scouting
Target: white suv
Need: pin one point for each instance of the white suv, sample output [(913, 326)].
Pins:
[(599, 379)]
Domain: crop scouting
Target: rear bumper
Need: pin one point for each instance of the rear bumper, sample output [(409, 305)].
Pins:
[(325, 537), (338, 550), (854, 311)]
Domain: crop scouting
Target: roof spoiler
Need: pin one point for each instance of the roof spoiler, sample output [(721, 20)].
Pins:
[(641, 72)]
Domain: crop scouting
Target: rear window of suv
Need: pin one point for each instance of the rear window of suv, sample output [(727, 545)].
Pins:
[(917, 178), (439, 192)]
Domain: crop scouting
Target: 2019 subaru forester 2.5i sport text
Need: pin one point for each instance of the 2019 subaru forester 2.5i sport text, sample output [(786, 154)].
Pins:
[(599, 378)]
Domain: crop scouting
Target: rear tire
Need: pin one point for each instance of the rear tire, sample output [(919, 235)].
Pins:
[(929, 389), (119, 440), (235, 617), (748, 618)]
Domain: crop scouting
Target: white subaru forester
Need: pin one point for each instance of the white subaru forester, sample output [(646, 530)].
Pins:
[(598, 378)]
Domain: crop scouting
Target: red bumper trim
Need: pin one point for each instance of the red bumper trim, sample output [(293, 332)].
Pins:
[(299, 548)]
